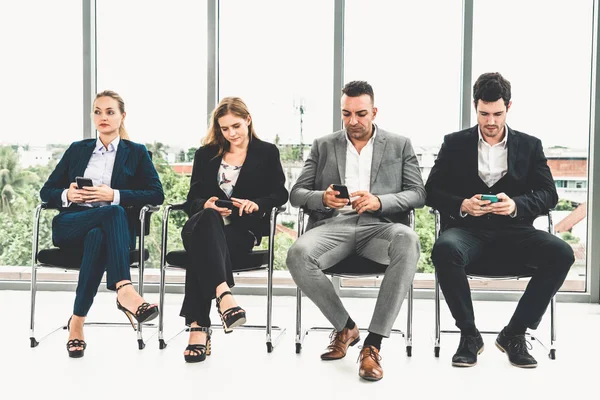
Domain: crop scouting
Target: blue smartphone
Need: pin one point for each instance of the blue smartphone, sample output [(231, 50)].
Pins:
[(491, 197)]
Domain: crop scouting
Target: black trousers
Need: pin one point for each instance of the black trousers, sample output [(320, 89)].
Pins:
[(213, 249), (457, 248)]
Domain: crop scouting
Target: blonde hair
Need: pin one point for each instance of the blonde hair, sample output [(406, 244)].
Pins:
[(113, 95), (228, 105)]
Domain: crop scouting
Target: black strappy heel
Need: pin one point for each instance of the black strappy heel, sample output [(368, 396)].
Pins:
[(145, 312), (232, 317), (198, 352), (75, 343)]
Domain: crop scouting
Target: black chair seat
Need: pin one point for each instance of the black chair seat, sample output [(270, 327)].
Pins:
[(71, 259), (257, 259), (356, 265)]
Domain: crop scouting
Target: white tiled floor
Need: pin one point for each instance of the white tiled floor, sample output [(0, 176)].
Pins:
[(113, 367)]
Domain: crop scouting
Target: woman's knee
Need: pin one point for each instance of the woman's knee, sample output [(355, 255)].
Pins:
[(115, 212)]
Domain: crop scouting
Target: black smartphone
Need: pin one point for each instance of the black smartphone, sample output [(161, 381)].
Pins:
[(83, 182), (343, 191), (225, 204)]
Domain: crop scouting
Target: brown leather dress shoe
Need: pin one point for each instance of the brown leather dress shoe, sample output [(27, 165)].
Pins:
[(370, 368), (340, 341)]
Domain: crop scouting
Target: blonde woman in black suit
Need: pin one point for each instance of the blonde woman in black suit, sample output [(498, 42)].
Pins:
[(236, 180)]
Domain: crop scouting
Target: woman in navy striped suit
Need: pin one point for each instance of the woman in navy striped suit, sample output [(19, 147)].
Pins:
[(93, 217)]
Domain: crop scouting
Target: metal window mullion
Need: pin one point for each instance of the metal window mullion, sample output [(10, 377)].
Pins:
[(90, 66), (338, 61), (593, 228), (466, 67), (212, 56)]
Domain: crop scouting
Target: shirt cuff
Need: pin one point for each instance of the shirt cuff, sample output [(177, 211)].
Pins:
[(65, 200), (514, 214), (116, 198), (462, 214)]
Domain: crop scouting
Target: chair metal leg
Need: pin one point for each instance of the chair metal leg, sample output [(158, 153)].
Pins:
[(552, 353), (269, 310), (161, 308), (32, 340), (299, 333), (436, 343), (409, 323)]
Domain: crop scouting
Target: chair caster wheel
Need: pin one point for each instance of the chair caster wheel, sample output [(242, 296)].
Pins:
[(161, 344), (552, 354), (409, 351), (141, 344), (298, 348), (33, 342), (437, 351), (269, 347)]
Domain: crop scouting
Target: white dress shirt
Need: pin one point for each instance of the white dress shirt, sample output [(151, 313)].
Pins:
[(358, 168), (493, 160), (99, 170)]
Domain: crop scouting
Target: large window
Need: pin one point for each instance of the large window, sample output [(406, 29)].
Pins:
[(278, 57), (544, 50), (410, 52), (40, 110)]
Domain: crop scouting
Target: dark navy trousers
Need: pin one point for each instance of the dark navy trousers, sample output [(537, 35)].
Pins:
[(104, 234)]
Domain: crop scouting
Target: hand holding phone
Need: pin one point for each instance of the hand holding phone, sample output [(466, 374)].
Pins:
[(333, 200), (225, 204), (83, 182), (343, 191)]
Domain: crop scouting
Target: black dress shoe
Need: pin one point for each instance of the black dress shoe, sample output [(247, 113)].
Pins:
[(468, 350), (515, 348)]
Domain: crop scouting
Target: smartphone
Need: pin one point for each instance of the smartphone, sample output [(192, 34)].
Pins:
[(343, 191), (83, 182), (225, 204), (491, 197)]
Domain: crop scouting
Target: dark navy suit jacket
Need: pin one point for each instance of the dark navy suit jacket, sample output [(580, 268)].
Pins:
[(455, 177), (133, 175)]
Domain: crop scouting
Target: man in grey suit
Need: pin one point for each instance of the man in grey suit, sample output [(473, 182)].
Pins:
[(383, 179)]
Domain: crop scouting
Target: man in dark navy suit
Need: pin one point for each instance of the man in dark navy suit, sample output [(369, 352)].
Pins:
[(493, 159)]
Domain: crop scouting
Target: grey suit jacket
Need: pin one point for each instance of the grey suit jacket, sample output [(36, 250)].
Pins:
[(395, 176)]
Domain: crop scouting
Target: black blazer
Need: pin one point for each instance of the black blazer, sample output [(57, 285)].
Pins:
[(133, 175), (261, 180), (455, 177)]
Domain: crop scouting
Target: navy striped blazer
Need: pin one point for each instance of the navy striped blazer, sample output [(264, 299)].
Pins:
[(133, 175)]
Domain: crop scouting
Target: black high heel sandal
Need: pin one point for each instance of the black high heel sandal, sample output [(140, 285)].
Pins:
[(75, 343), (144, 312), (232, 317), (198, 352)]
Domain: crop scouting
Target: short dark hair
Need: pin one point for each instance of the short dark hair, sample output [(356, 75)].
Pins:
[(491, 87), (358, 88)]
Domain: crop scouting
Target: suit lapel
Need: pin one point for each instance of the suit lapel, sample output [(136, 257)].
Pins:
[(122, 154), (82, 162), (378, 152), (472, 153), (340, 155), (513, 150), (250, 163)]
